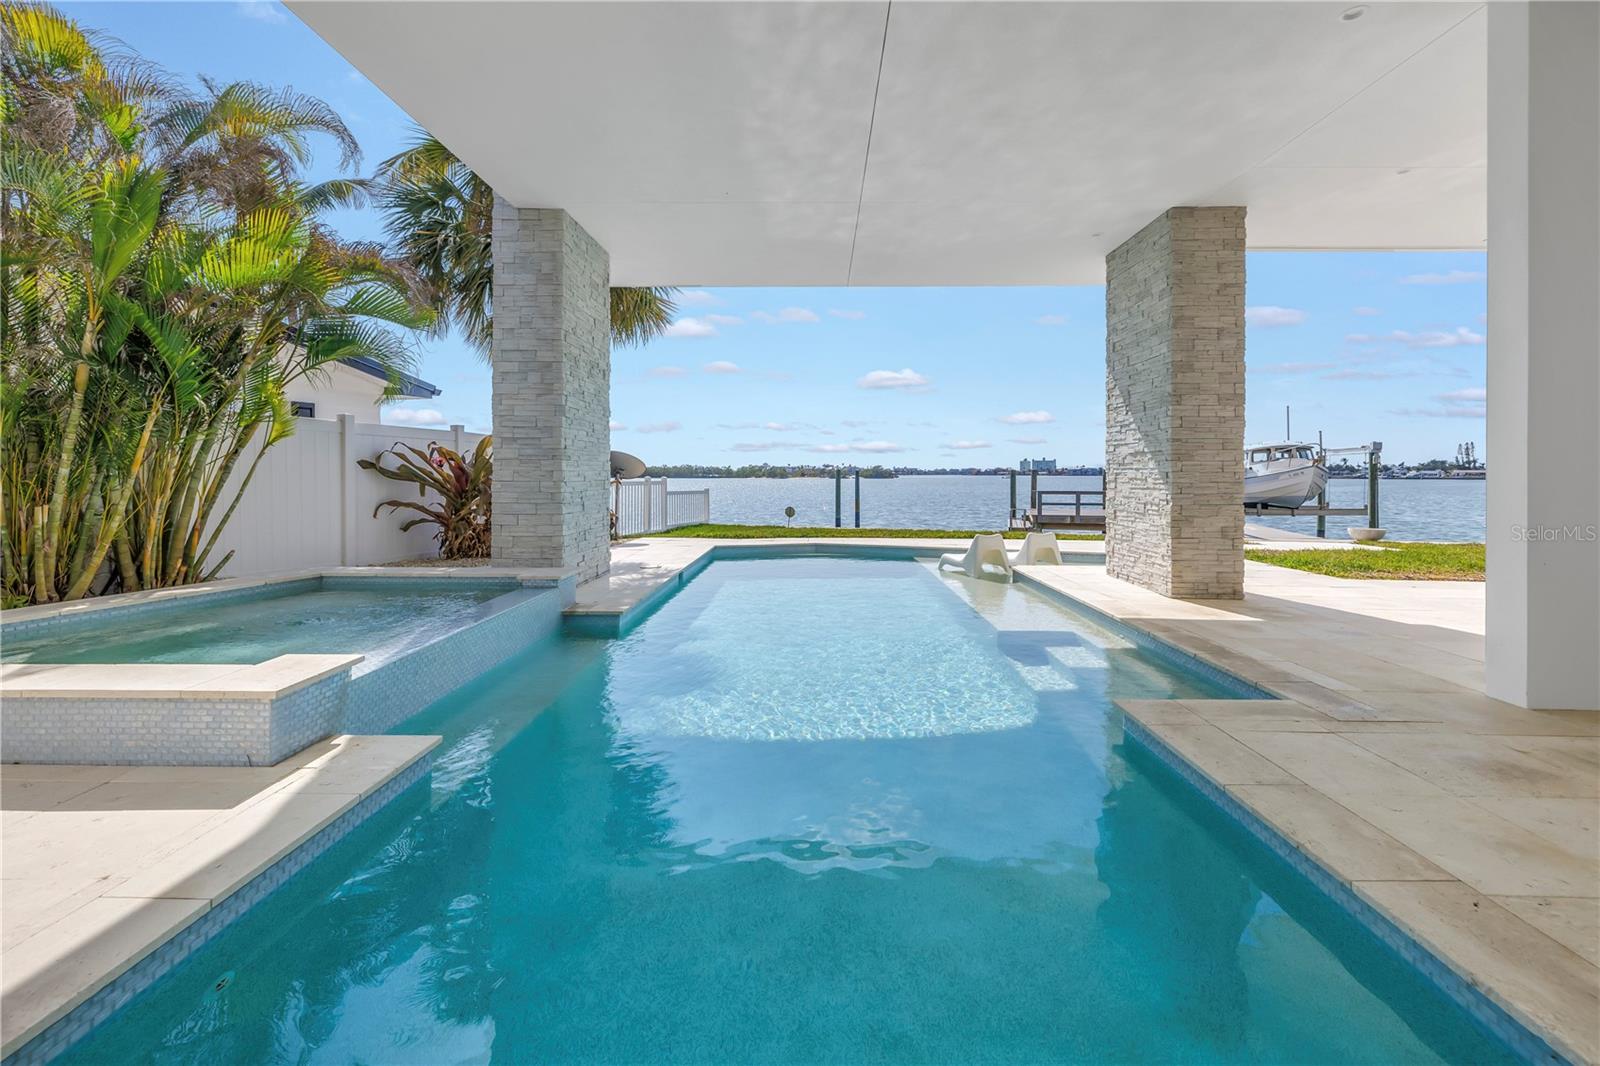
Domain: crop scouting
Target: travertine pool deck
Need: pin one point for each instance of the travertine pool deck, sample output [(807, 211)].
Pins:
[(1470, 823), (100, 865)]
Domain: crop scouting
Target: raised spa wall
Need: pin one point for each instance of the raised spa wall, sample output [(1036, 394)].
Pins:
[(240, 715)]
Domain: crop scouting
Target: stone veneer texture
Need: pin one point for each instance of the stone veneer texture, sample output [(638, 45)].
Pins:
[(1175, 405), (552, 392)]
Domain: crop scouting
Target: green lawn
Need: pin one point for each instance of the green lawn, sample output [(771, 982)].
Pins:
[(1400, 561), (815, 532)]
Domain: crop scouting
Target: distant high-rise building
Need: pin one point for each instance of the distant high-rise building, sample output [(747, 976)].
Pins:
[(1038, 466)]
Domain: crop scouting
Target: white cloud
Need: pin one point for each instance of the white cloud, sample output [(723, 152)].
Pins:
[(760, 446), (260, 10), (874, 447), (1050, 320), (1366, 312), (1027, 418), (1291, 368), (854, 316), (892, 379), (724, 320), (968, 445), (1026, 440), (667, 371), (415, 416), (1268, 316), (771, 427), (1351, 374), (775, 428), (696, 298), (1451, 411), (721, 366), (855, 423), (1438, 338), (1359, 338), (788, 314), (1465, 396), (660, 427), (1453, 277), (616, 426), (690, 327)]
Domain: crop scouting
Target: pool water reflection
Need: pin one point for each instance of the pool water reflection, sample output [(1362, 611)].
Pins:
[(812, 810)]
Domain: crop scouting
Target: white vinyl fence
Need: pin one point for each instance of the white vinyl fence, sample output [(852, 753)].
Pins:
[(309, 505), (646, 505)]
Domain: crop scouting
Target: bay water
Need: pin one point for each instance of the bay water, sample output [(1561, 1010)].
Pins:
[(1444, 510)]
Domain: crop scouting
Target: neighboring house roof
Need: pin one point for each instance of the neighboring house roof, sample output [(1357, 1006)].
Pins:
[(410, 387)]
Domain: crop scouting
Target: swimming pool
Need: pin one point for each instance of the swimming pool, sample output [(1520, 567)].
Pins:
[(810, 810)]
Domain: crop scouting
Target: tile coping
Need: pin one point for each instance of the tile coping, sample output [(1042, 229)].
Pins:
[(270, 680), (52, 1030)]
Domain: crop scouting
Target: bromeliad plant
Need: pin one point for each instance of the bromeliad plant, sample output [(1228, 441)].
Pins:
[(453, 494), (165, 275)]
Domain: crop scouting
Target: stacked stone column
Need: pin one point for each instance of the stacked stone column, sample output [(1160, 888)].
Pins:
[(1175, 405), (552, 392)]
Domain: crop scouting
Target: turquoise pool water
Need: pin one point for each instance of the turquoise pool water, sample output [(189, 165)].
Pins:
[(810, 811), (374, 617)]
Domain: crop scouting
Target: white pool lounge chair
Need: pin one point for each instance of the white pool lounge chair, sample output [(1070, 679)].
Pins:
[(986, 549), (1038, 549)]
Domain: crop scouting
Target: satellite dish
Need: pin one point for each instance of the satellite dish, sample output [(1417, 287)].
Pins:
[(626, 466)]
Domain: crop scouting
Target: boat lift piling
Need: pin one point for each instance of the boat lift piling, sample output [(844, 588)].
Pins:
[(838, 497), (1322, 496), (858, 497), (1373, 468)]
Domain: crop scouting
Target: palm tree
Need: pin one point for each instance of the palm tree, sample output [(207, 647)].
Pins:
[(439, 216), (165, 275)]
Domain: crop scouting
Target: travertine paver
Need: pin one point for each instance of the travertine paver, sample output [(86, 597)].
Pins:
[(1390, 726), (99, 865)]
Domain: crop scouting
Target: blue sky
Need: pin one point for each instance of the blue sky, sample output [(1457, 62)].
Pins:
[(1364, 346)]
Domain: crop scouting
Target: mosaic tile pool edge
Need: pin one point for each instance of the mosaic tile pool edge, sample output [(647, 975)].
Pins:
[(82, 1019), (386, 696), (213, 731), (1493, 1017)]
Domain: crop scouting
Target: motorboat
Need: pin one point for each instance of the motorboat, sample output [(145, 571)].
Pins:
[(1285, 474)]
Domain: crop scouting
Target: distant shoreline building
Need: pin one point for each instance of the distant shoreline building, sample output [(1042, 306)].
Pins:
[(1037, 466)]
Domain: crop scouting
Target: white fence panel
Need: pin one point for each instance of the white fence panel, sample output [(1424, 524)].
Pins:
[(309, 505), (689, 507), (646, 505)]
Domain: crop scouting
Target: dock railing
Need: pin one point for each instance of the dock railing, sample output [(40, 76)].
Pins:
[(1058, 508), (647, 505)]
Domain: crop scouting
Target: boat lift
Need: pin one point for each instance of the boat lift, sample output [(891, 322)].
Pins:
[(1321, 511), (1085, 509)]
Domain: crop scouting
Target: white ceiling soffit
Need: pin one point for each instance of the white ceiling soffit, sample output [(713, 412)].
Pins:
[(942, 143)]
